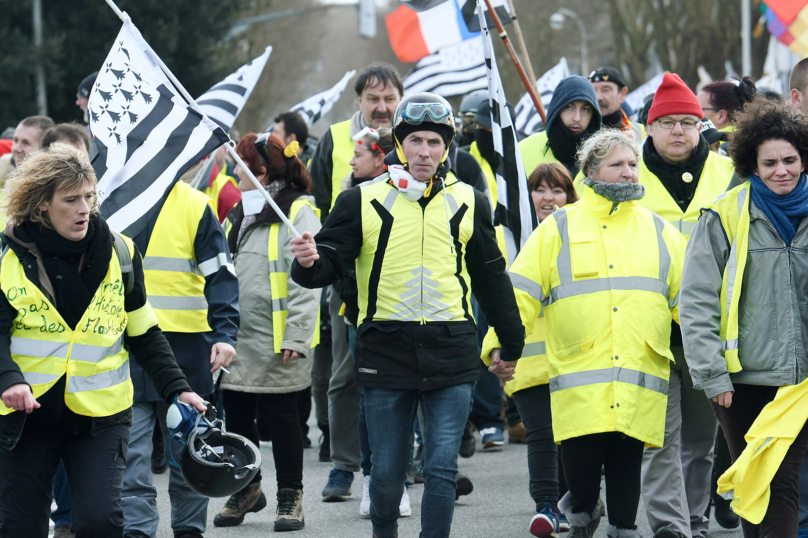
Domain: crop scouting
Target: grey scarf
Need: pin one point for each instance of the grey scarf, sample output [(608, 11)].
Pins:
[(617, 192)]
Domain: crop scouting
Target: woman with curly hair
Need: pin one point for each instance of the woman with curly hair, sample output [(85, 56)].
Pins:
[(744, 302), (279, 323)]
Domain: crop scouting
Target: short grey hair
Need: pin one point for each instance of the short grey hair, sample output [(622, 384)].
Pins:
[(600, 145)]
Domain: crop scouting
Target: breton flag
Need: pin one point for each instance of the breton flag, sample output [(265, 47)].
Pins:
[(316, 106), (454, 70), (514, 206), (636, 99), (147, 135), (224, 102), (527, 119)]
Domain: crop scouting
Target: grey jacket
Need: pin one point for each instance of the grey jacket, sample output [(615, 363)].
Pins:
[(773, 307), (257, 368)]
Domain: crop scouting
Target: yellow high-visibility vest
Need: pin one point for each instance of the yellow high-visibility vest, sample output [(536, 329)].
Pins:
[(490, 177), (92, 356), (409, 269), (174, 282), (216, 187), (278, 275), (341, 156), (532, 368)]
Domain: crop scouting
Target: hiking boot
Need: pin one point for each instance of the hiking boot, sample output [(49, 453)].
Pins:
[(493, 440), (468, 443), (582, 525), (463, 486), (249, 499), (63, 531), (517, 434), (724, 515), (338, 487), (545, 523), (325, 443), (290, 510)]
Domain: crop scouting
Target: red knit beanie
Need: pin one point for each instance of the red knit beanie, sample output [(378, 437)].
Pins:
[(674, 97)]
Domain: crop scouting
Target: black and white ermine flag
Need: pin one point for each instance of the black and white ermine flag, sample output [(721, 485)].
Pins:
[(147, 134), (527, 119), (514, 209), (454, 70), (316, 106), (224, 102)]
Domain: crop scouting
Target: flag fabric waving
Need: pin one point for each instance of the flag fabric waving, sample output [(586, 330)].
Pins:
[(636, 99), (514, 209), (454, 70), (469, 10), (527, 119), (316, 106), (224, 102), (147, 135)]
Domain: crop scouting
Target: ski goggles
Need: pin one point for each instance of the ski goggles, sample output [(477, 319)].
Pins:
[(438, 113)]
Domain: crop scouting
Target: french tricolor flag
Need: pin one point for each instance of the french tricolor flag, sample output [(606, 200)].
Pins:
[(415, 34)]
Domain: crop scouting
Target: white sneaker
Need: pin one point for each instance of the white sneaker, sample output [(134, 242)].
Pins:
[(364, 506), (404, 508)]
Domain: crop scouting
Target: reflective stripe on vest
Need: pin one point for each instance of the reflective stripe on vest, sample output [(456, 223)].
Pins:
[(341, 156), (174, 283), (571, 288), (733, 210), (278, 276), (91, 356), (609, 375)]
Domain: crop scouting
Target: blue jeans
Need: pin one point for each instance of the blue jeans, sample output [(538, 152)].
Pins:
[(61, 494), (390, 416)]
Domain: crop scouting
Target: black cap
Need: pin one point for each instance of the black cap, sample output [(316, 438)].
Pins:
[(607, 74), (710, 132), (86, 85), (483, 116)]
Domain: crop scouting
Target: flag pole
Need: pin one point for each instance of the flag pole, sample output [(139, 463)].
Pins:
[(521, 70), (230, 145), (517, 29)]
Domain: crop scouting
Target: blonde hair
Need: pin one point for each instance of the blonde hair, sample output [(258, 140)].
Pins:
[(40, 176), (600, 145)]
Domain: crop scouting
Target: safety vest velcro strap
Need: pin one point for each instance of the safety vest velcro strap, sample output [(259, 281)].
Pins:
[(730, 344), (167, 302), (609, 375), (528, 286), (36, 378), (534, 349), (103, 380), (213, 265), (87, 353), (30, 347), (595, 285), (175, 265)]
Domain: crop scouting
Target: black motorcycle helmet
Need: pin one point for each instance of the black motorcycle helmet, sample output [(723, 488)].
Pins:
[(215, 463)]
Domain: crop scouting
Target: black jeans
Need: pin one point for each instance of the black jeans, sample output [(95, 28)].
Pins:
[(547, 483), (783, 513), (621, 458), (279, 415), (94, 467)]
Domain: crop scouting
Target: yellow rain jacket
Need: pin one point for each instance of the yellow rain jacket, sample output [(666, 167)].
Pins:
[(607, 276), (749, 479)]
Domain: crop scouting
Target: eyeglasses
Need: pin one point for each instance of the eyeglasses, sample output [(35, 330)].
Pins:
[(713, 109), (414, 114), (687, 125)]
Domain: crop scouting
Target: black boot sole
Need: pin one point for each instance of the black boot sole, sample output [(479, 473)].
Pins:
[(464, 487), (220, 521), (289, 525)]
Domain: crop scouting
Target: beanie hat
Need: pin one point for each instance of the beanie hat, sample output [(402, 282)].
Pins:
[(674, 97), (86, 85), (574, 88)]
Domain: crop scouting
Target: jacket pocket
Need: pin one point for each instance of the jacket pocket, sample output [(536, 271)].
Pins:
[(758, 338), (583, 254), (659, 350), (461, 328), (575, 349)]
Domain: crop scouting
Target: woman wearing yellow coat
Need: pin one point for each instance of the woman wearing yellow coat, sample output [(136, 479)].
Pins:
[(606, 272)]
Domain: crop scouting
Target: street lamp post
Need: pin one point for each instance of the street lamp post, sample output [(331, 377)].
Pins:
[(557, 23)]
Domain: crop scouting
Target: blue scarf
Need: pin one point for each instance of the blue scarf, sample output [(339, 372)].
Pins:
[(784, 212)]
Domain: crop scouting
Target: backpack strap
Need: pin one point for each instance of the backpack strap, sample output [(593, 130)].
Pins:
[(125, 261)]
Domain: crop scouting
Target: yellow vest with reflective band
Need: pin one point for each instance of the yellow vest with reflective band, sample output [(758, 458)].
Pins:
[(609, 285), (733, 208), (715, 177), (92, 356), (533, 153), (490, 177), (341, 156), (174, 282), (216, 187), (278, 276), (532, 368), (406, 269)]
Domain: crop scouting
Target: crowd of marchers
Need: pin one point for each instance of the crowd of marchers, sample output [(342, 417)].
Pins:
[(651, 332)]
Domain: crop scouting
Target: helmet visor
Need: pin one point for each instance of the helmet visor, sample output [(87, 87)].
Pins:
[(415, 113)]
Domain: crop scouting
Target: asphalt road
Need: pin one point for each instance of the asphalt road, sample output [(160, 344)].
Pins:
[(500, 505)]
